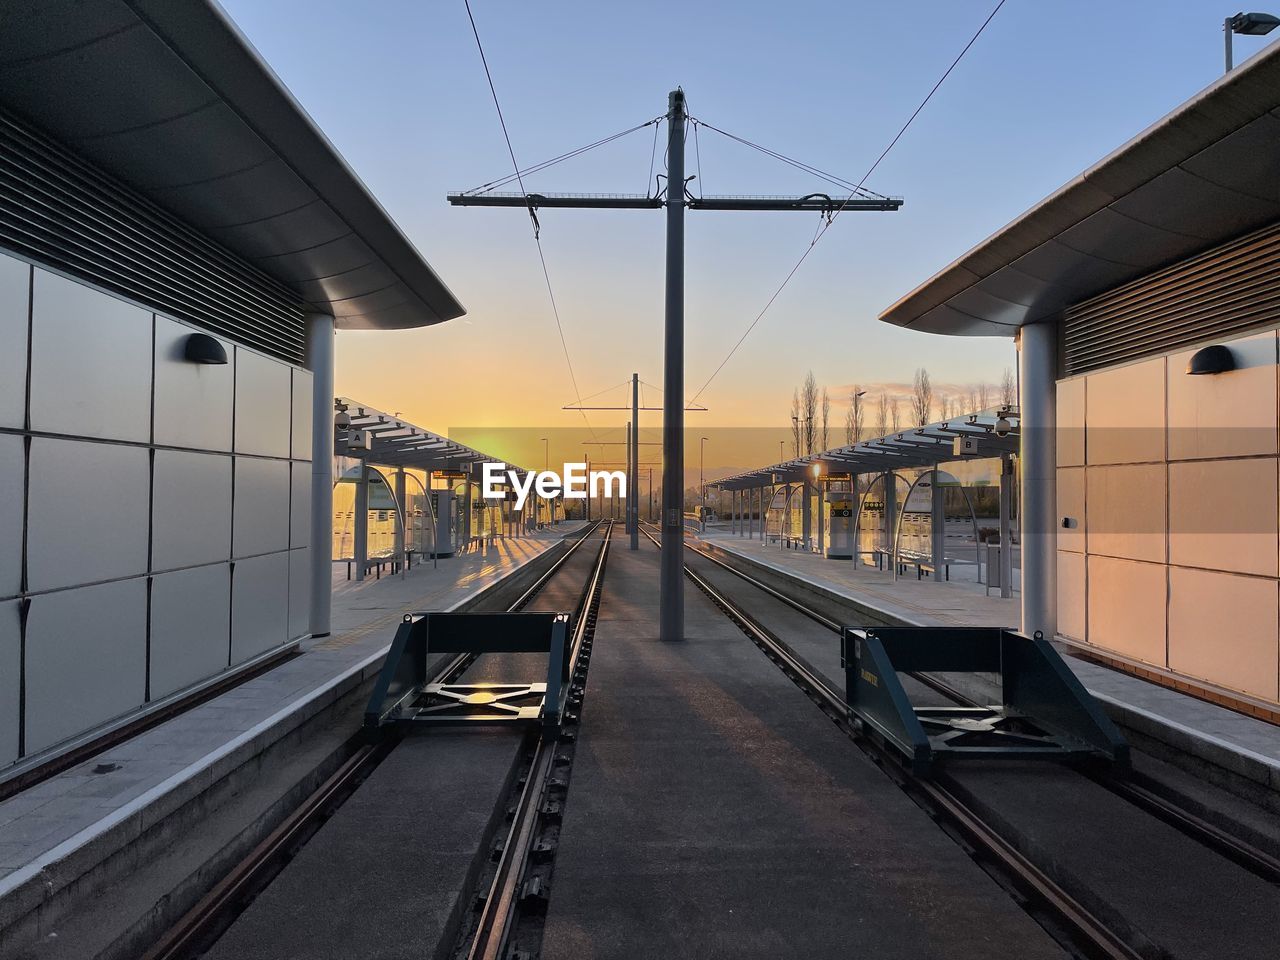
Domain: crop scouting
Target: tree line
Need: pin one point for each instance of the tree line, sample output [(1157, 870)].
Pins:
[(867, 418)]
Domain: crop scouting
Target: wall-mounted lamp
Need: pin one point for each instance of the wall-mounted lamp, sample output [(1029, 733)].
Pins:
[(202, 348), (1214, 359)]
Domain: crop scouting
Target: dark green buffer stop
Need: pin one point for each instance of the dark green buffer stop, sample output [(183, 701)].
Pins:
[(1044, 712)]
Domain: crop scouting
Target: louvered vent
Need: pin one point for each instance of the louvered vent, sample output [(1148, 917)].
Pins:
[(59, 210), (1228, 290)]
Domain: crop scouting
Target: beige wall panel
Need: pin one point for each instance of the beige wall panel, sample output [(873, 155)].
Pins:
[(1071, 595), (1071, 506), (1124, 412), (1127, 511), (1243, 657), (1071, 422), (1127, 608), (1225, 414), (1223, 515)]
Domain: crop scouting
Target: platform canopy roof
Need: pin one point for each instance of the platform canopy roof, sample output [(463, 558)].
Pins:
[(1201, 176), (397, 443), (169, 97), (911, 449)]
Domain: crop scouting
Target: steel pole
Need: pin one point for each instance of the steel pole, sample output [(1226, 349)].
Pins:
[(1226, 33), (633, 488), (671, 577)]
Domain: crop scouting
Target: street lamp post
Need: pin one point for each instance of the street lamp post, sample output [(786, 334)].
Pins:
[(546, 465), (807, 420), (1246, 24), (702, 480)]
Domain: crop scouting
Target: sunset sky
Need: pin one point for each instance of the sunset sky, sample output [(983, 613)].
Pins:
[(398, 86)]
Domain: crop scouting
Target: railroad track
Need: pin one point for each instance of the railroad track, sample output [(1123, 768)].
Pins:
[(1077, 927), (217, 909)]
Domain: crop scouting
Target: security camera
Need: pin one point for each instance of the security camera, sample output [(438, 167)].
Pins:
[(1003, 426)]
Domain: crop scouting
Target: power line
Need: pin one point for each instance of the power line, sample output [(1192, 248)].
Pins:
[(555, 310), (543, 165), (830, 178), (826, 226)]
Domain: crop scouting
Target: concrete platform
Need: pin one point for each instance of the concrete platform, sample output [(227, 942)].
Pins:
[(715, 812), (59, 830), (1236, 751)]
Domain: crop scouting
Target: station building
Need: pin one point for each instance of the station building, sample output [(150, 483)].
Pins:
[(178, 243), (1145, 298)]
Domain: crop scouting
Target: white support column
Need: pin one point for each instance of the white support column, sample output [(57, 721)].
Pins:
[(938, 525), (890, 514), (320, 361), (1006, 529), (822, 520), (402, 513), (806, 513), (1037, 366), (362, 520)]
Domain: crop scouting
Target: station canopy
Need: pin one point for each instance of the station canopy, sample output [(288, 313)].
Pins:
[(913, 448), (172, 100), (1203, 175), (393, 442)]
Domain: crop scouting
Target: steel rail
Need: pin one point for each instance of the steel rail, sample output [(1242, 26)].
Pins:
[(1065, 915), (1236, 849), (198, 922), (498, 918)]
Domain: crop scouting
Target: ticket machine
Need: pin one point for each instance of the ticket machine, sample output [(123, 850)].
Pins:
[(841, 507)]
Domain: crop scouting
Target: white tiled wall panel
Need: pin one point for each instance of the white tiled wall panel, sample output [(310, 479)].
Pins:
[(1126, 505), (15, 280), (262, 506), (191, 509), (1204, 515), (144, 487), (1072, 595), (90, 362), (86, 659), (1223, 515), (302, 414), (87, 518), (190, 626), (1243, 657), (1229, 414), (194, 401), (299, 592), (1125, 414), (259, 605), (1127, 607), (263, 401), (1070, 437), (1071, 509), (12, 470), (10, 680), (300, 504)]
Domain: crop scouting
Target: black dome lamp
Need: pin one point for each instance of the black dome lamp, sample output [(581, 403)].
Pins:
[(202, 348), (1209, 360)]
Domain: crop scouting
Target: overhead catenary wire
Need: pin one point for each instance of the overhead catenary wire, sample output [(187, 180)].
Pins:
[(858, 187), (569, 155), (830, 178), (555, 309)]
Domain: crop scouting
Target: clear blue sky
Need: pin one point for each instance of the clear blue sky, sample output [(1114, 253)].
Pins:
[(1052, 86)]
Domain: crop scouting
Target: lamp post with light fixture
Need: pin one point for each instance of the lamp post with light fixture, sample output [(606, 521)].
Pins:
[(1249, 25)]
